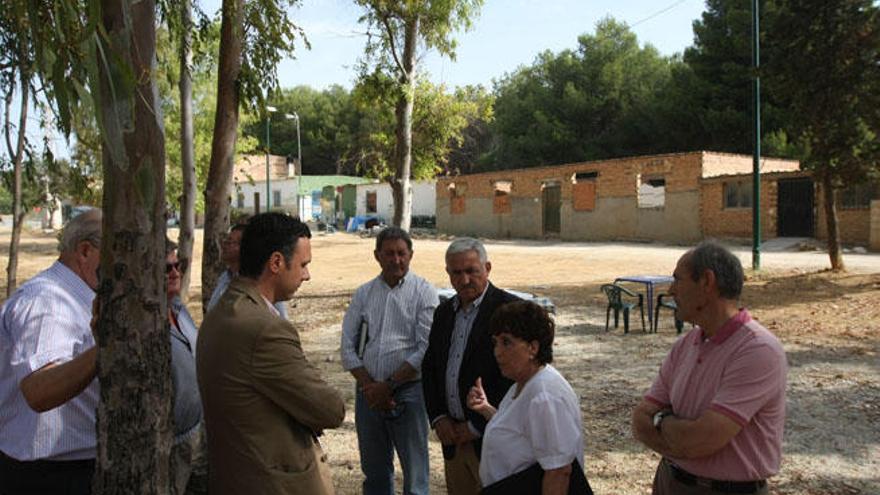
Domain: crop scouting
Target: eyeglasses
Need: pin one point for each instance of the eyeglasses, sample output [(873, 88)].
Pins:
[(172, 266)]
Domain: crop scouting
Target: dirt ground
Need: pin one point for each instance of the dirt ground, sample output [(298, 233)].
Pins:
[(829, 324)]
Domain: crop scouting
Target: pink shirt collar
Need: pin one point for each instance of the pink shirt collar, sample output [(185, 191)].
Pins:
[(729, 327)]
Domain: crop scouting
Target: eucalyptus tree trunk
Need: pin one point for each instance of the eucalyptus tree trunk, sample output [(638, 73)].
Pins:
[(187, 149), (133, 418), (401, 188), (831, 224), (17, 211), (219, 184)]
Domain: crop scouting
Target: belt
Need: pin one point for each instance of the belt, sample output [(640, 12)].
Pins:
[(719, 486), (43, 466)]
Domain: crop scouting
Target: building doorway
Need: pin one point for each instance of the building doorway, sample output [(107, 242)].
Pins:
[(551, 202), (795, 205)]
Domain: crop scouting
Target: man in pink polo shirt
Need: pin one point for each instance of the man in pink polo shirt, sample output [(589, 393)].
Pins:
[(716, 410)]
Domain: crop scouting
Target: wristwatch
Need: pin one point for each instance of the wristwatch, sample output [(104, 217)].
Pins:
[(658, 417)]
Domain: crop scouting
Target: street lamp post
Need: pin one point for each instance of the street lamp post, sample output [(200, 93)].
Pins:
[(269, 111), (295, 116)]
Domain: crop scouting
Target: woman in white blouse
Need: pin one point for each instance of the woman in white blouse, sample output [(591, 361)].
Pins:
[(539, 419)]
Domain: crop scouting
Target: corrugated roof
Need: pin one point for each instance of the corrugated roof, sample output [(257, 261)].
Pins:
[(309, 183), (253, 168)]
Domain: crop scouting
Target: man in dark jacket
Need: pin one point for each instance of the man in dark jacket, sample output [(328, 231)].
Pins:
[(459, 351)]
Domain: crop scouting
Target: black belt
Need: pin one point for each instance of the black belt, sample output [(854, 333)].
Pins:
[(43, 466), (719, 486)]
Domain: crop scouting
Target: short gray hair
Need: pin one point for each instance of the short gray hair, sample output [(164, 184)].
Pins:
[(710, 255), (465, 244), (84, 227)]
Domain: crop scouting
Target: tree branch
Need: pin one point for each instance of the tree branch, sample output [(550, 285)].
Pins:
[(6, 125), (392, 47)]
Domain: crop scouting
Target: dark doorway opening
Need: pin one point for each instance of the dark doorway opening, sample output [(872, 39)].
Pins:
[(795, 206), (552, 202)]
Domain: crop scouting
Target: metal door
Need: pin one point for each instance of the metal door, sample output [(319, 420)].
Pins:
[(552, 201), (795, 204)]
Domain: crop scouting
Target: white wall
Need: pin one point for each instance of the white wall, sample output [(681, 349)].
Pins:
[(424, 199), (288, 188)]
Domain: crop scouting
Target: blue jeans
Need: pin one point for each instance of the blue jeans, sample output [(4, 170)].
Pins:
[(404, 429)]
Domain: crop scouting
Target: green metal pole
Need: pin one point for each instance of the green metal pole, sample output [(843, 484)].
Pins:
[(268, 199), (756, 157)]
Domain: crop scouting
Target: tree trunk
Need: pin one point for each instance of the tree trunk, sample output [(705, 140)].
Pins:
[(187, 149), (830, 194), (133, 418), (219, 185), (401, 188), (17, 212)]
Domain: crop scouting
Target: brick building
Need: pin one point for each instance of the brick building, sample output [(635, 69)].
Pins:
[(675, 198)]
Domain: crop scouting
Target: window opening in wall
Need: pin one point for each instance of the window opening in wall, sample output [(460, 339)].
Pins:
[(501, 199), (738, 194), (457, 198), (583, 191), (276, 198), (371, 201), (652, 192), (256, 202), (857, 196), (580, 176), (240, 200)]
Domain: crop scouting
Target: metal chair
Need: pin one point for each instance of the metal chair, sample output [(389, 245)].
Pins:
[(616, 301), (669, 303)]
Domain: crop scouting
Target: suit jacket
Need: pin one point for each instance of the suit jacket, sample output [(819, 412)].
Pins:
[(478, 360), (264, 403)]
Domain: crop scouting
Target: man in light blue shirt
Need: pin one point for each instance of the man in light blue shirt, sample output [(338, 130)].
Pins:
[(48, 391), (230, 250), (384, 338)]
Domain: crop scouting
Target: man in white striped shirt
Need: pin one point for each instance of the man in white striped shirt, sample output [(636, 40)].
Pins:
[(384, 338), (48, 390)]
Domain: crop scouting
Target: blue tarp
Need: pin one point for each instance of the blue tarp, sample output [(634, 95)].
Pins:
[(360, 221)]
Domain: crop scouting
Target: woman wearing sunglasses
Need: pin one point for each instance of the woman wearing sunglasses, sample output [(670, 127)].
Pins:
[(187, 453)]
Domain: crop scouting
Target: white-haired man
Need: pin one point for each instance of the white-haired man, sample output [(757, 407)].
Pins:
[(460, 350), (48, 391)]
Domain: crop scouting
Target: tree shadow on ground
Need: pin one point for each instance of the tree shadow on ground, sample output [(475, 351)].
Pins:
[(826, 485), (807, 288), (37, 248), (758, 294), (823, 354)]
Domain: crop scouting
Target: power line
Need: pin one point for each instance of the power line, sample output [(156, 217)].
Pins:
[(655, 14)]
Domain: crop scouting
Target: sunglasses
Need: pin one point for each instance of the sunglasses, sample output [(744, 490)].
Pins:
[(173, 266)]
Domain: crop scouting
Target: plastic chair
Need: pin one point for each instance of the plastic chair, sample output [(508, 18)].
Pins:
[(616, 301), (668, 303)]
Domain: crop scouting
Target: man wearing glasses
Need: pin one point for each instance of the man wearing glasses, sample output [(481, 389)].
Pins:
[(230, 249)]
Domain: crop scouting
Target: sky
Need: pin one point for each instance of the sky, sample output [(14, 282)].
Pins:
[(505, 35)]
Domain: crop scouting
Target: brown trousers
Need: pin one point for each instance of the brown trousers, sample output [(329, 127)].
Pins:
[(463, 471), (666, 484)]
